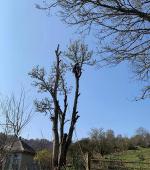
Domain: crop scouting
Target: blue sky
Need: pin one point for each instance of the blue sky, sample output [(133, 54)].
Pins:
[(28, 37)]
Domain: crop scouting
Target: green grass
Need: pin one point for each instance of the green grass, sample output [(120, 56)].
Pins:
[(141, 154), (138, 157)]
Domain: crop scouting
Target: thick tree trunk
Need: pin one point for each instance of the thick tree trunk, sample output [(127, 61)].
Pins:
[(55, 143), (62, 152), (62, 159), (55, 154)]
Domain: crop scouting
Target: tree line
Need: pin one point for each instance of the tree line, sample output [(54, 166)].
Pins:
[(106, 142)]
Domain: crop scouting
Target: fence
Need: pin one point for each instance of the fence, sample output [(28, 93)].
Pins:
[(104, 164)]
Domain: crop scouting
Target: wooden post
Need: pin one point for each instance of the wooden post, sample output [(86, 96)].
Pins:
[(88, 161)]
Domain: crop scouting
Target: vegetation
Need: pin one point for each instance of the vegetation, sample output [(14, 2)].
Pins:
[(138, 155), (44, 158), (106, 146)]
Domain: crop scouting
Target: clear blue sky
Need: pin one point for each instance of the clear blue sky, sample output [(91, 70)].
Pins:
[(28, 37)]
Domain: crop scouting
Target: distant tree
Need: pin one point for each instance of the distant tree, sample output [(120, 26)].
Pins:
[(97, 134), (98, 139), (141, 137), (110, 141), (141, 132), (121, 143), (105, 142), (123, 30), (55, 84)]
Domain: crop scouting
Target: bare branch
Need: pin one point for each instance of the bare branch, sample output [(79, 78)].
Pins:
[(122, 28)]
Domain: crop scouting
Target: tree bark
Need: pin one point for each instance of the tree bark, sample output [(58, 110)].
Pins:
[(55, 146), (62, 152)]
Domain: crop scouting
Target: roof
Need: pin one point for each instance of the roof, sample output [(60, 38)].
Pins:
[(20, 146)]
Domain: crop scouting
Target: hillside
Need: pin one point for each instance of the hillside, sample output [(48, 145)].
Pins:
[(138, 155), (39, 144)]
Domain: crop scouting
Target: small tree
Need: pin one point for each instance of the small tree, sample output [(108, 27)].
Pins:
[(15, 115), (97, 137), (55, 84)]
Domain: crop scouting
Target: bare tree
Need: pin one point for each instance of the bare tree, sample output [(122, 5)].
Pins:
[(123, 30), (15, 115), (55, 84)]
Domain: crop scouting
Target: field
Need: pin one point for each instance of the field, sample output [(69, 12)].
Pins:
[(131, 159), (128, 160), (139, 155)]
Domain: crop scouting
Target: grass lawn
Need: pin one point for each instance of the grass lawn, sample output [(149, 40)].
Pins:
[(141, 154), (138, 158)]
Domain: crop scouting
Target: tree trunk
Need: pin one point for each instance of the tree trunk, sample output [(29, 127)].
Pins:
[(62, 152), (62, 159), (55, 154), (55, 144)]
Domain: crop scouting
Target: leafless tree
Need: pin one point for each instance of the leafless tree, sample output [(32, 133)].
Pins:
[(122, 26), (55, 84), (15, 115)]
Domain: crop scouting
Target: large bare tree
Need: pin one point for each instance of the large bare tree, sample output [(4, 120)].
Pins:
[(56, 103), (122, 28)]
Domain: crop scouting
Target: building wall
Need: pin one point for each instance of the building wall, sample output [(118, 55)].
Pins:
[(26, 161), (13, 160)]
